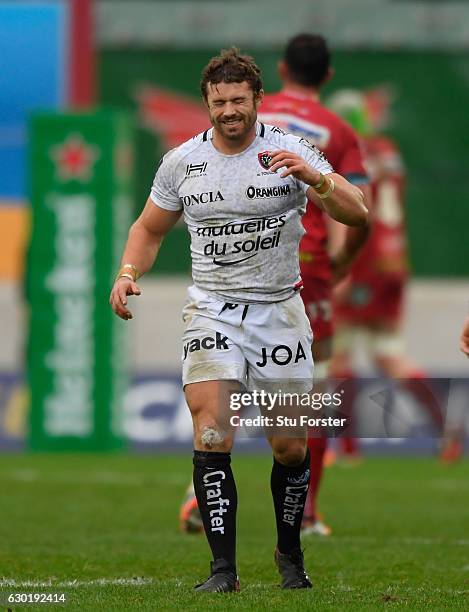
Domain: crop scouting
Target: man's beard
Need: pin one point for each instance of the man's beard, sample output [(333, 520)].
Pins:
[(245, 123)]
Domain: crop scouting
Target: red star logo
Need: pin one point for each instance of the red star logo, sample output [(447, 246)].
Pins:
[(74, 159)]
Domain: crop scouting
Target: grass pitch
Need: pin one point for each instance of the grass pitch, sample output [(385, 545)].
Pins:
[(104, 531)]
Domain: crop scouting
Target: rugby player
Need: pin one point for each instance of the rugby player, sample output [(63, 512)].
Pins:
[(370, 303), (304, 70), (242, 186)]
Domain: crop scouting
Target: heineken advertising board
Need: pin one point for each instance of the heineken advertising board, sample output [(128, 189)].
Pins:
[(81, 197)]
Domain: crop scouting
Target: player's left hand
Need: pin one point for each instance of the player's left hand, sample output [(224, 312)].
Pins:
[(295, 165)]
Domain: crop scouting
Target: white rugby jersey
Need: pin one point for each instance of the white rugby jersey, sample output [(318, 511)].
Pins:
[(244, 220)]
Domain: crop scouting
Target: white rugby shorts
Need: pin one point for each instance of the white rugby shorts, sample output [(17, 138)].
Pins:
[(264, 346)]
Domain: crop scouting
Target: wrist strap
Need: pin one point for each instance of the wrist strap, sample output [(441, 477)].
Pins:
[(124, 275), (321, 182), (128, 271), (326, 194)]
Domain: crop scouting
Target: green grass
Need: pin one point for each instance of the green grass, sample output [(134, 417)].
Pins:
[(401, 535)]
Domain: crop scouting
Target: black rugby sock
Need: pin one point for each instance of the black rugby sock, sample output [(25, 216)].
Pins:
[(289, 486), (217, 497)]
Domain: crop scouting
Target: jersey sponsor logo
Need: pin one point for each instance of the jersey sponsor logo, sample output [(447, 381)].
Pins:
[(218, 343), (277, 191), (250, 226), (264, 159), (282, 355), (223, 252), (244, 246), (196, 169), (206, 197)]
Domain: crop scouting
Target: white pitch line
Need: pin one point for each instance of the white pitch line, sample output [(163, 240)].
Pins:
[(339, 539), (98, 478), (138, 581)]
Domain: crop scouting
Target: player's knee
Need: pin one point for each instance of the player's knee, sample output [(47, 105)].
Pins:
[(209, 436), (290, 452)]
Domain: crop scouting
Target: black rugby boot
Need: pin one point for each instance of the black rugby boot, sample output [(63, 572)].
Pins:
[(292, 570), (223, 579)]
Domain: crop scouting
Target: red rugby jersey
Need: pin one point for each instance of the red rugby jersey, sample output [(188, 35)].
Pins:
[(300, 114), (384, 255)]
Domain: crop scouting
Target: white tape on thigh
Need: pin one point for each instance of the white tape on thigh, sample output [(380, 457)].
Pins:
[(345, 338), (321, 369), (386, 344)]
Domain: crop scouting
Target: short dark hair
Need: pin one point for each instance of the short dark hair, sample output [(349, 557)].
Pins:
[(308, 59), (231, 67)]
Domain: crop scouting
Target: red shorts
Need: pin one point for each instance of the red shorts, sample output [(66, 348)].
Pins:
[(316, 295), (368, 303)]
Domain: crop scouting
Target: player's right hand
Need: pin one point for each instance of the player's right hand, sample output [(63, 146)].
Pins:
[(118, 299), (340, 264)]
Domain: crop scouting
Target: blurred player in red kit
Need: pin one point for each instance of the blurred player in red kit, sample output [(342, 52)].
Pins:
[(296, 109), (464, 341), (304, 70), (369, 303)]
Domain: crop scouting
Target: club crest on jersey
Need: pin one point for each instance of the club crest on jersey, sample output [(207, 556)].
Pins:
[(264, 159)]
